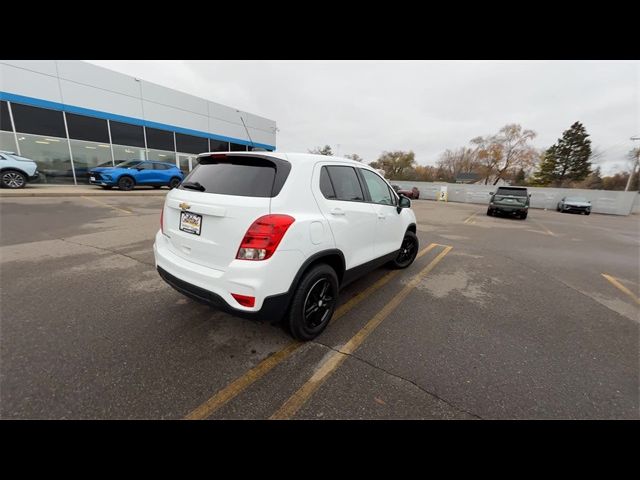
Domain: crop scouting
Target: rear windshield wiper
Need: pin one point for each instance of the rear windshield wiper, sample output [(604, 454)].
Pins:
[(193, 186)]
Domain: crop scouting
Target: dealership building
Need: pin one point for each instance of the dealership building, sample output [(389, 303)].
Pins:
[(70, 116)]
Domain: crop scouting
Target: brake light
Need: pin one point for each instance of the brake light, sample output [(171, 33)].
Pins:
[(263, 237), (244, 300)]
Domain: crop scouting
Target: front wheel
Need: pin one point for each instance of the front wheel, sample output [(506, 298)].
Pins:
[(13, 179), (523, 216), (126, 183), (489, 212), (313, 303), (408, 251)]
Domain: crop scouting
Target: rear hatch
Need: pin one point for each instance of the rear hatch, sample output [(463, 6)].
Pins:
[(511, 196), (207, 217)]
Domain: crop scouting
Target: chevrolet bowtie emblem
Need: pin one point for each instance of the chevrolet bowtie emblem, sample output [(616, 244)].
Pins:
[(184, 206)]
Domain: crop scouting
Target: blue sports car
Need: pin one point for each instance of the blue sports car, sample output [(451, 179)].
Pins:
[(126, 175)]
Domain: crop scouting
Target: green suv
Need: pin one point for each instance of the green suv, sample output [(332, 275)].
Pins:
[(510, 200)]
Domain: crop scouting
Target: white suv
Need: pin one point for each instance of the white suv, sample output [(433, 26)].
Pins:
[(275, 235), (15, 171)]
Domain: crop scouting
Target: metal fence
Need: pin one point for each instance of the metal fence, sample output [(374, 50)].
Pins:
[(602, 201)]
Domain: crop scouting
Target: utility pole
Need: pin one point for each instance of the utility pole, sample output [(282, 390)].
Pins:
[(635, 166)]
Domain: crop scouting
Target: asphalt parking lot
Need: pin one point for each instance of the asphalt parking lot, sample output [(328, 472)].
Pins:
[(498, 319)]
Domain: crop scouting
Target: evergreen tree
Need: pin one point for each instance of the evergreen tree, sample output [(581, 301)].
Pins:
[(567, 160), (575, 150), (545, 175), (519, 178)]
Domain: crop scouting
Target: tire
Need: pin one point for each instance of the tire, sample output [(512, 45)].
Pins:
[(587, 213), (126, 183), (489, 212), (558, 208), (174, 182), (13, 179), (313, 303), (523, 216), (107, 187), (408, 251)]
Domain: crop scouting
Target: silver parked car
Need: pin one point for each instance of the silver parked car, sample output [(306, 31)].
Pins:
[(574, 204)]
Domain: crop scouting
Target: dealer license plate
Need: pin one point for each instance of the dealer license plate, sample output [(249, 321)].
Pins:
[(190, 222)]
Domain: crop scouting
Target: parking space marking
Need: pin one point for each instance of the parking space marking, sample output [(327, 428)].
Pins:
[(228, 393), (128, 212), (470, 218), (547, 231), (289, 408), (616, 283)]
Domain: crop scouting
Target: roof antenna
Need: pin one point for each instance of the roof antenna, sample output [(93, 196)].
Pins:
[(247, 130)]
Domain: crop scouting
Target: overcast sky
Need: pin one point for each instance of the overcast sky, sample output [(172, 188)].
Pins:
[(366, 107)]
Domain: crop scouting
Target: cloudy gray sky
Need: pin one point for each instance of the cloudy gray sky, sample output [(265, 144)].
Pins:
[(366, 107)]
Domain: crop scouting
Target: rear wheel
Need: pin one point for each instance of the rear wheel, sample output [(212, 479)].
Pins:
[(174, 182), (13, 179), (408, 251), (313, 303), (126, 183)]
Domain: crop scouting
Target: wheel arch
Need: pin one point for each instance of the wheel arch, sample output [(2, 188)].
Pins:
[(412, 228), (333, 257)]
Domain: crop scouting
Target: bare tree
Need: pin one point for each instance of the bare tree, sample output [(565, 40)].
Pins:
[(505, 150)]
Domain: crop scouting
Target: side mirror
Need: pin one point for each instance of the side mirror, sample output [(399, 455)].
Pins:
[(403, 203)]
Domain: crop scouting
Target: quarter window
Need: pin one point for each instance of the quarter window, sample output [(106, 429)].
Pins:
[(345, 183), (325, 185), (378, 188)]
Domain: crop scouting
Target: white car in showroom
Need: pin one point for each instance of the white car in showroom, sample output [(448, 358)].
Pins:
[(16, 171), (277, 235)]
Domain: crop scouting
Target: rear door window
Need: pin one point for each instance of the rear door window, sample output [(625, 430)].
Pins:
[(345, 183), (241, 176)]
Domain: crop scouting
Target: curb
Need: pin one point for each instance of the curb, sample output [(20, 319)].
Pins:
[(82, 194)]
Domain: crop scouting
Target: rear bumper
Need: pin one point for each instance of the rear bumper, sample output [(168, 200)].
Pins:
[(508, 209), (273, 308), (269, 282)]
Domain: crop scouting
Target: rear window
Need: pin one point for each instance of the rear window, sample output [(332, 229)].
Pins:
[(517, 192), (240, 176)]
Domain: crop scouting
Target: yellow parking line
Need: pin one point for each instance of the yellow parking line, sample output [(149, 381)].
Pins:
[(470, 217), (548, 232), (107, 205), (616, 283), (304, 393), (236, 387)]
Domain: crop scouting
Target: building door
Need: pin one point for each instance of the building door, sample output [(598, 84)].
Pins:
[(185, 162)]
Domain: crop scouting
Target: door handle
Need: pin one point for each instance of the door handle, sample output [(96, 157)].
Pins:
[(337, 211)]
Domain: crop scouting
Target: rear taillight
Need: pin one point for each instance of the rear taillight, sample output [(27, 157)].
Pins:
[(263, 237), (162, 220)]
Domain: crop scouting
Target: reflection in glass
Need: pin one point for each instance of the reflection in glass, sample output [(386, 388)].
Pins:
[(121, 152), (87, 155), (52, 156), (8, 142), (162, 156)]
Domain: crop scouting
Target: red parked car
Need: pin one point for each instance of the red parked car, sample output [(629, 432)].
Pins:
[(413, 193)]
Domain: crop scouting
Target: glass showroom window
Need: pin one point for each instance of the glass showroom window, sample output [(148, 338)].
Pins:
[(51, 154), (162, 156), (236, 147), (8, 142), (7, 138), (218, 146), (123, 152), (87, 155)]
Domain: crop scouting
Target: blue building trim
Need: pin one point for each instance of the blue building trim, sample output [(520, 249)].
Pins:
[(36, 102)]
